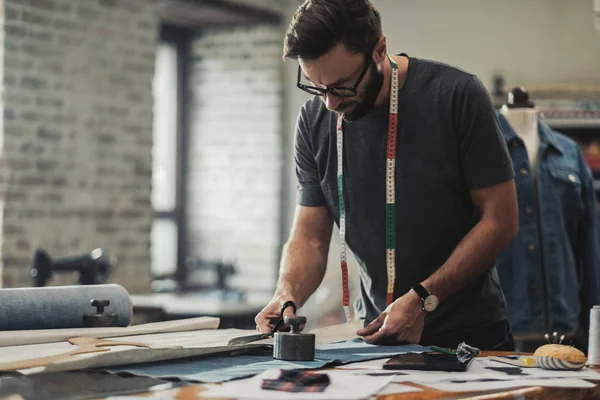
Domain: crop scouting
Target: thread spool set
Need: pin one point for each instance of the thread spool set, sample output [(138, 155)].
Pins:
[(594, 337), (556, 355)]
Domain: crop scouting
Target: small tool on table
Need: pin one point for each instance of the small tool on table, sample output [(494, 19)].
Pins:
[(294, 345), (289, 346), (261, 336)]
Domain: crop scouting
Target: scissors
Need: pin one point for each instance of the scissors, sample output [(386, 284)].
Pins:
[(260, 336)]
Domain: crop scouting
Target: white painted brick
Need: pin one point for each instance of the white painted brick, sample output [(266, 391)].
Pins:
[(235, 154)]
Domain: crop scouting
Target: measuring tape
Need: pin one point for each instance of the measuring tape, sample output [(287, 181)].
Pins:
[(390, 206)]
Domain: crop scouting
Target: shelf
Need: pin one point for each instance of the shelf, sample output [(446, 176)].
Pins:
[(572, 123)]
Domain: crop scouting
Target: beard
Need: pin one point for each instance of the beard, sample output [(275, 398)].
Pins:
[(356, 110)]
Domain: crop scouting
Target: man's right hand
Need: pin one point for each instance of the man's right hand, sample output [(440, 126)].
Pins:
[(303, 265), (271, 314)]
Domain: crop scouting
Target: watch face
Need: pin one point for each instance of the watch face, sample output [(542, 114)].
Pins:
[(431, 303)]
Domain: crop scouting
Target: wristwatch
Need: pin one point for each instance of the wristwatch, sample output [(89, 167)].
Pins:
[(430, 301)]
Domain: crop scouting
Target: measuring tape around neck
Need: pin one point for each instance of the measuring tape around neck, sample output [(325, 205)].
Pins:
[(390, 207)]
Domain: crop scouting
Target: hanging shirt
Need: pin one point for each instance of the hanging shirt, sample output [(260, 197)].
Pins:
[(550, 274)]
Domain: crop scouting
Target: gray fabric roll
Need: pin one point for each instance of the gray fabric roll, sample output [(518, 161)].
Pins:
[(60, 307)]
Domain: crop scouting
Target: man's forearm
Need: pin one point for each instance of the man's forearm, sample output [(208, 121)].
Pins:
[(473, 255), (302, 270)]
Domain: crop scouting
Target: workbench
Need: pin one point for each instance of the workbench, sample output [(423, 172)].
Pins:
[(78, 383), (191, 392)]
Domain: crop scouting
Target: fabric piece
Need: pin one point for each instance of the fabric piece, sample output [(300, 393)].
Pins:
[(558, 241), (18, 338), (60, 307), (77, 385), (448, 143), (225, 368), (144, 356), (165, 346), (297, 381)]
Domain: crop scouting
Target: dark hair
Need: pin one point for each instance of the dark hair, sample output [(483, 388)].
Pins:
[(319, 25)]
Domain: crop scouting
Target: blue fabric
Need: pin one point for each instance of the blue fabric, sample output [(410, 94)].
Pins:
[(559, 232), (225, 368)]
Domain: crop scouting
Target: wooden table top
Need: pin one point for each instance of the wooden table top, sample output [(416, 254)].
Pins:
[(191, 392)]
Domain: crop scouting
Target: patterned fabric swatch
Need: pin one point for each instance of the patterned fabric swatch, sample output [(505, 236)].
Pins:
[(297, 381)]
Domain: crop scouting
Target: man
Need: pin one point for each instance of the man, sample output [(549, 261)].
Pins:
[(407, 157)]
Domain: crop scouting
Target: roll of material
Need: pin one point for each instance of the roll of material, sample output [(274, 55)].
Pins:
[(60, 307), (594, 337)]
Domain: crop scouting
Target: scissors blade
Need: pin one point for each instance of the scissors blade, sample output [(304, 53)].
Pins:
[(249, 339)]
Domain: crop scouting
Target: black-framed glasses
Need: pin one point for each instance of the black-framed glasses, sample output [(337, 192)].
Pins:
[(338, 91)]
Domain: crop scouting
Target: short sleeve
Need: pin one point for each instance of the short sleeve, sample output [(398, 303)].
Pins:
[(485, 160), (307, 173)]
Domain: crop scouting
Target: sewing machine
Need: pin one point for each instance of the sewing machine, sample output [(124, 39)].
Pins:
[(201, 288), (93, 267), (201, 276)]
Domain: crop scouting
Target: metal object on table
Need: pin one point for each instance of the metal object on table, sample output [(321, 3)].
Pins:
[(294, 345), (249, 339), (99, 319), (93, 267), (260, 336)]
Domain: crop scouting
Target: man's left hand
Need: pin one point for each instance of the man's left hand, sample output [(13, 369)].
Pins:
[(401, 322)]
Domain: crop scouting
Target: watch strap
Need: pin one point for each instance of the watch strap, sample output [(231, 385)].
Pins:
[(421, 291)]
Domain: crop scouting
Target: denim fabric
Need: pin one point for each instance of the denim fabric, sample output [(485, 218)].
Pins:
[(224, 368), (550, 274)]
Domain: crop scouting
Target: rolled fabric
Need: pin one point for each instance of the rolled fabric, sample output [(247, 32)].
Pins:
[(60, 307)]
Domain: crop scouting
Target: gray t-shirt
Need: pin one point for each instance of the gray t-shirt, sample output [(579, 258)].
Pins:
[(449, 142)]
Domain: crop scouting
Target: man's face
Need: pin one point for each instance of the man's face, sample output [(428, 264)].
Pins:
[(339, 67)]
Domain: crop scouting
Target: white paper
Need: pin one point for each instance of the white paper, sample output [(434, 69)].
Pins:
[(343, 386), (532, 373), (137, 397), (27, 352), (375, 367), (508, 384), (337, 333), (205, 338), (397, 388), (478, 369), (188, 339)]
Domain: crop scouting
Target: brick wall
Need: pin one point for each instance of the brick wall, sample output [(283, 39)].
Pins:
[(270, 5), (234, 186), (77, 132)]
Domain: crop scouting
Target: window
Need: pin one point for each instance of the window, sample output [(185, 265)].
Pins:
[(167, 154)]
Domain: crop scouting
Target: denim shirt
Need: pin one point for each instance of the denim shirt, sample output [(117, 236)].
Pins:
[(550, 274)]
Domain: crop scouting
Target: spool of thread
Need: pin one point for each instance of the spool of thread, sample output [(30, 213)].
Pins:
[(60, 307), (594, 337)]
